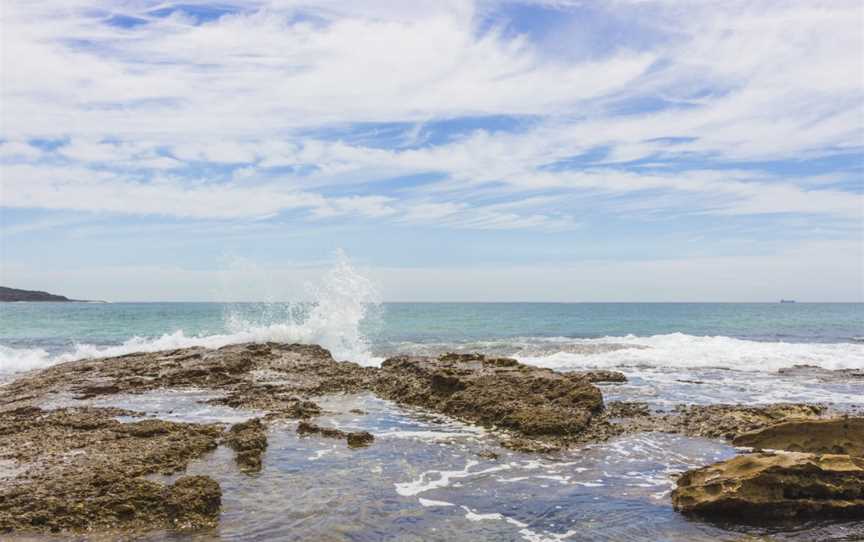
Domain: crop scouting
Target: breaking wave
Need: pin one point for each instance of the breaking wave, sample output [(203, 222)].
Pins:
[(342, 300), (673, 350)]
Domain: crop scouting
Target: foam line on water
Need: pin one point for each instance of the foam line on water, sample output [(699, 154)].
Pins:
[(689, 351), (342, 301)]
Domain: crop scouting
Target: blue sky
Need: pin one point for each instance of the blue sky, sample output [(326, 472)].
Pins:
[(629, 150)]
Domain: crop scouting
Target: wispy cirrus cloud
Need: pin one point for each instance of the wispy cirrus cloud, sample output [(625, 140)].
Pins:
[(493, 116)]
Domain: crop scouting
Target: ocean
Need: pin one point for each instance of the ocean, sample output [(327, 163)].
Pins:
[(424, 478), (658, 344)]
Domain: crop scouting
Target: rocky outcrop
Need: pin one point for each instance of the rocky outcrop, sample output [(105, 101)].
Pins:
[(249, 440), (729, 421), (271, 377), (833, 436), (818, 470), (14, 294), (495, 392), (83, 470), (102, 485), (774, 485), (108, 501), (355, 439)]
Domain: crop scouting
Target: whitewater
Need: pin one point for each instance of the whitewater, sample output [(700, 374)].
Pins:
[(345, 315)]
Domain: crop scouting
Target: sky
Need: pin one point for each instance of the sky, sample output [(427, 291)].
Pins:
[(488, 150)]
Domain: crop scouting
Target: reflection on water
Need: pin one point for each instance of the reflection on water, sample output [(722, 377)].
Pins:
[(429, 478)]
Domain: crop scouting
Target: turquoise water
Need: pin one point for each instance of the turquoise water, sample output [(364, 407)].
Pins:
[(424, 478), (56, 327), (736, 350)]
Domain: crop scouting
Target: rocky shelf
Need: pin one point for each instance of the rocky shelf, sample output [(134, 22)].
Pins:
[(81, 469)]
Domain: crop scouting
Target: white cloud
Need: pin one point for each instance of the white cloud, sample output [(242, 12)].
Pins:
[(18, 150), (737, 81)]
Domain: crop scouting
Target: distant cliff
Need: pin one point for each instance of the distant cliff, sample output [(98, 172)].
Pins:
[(13, 294)]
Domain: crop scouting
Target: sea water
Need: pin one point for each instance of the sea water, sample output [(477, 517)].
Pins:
[(431, 478), (672, 352)]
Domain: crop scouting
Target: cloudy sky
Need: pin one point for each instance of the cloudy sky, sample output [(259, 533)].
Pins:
[(624, 150)]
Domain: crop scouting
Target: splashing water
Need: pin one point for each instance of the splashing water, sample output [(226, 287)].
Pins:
[(340, 302)]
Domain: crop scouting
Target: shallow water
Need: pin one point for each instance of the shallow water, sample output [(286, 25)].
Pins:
[(429, 478)]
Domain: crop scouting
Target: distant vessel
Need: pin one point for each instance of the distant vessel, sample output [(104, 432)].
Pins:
[(787, 301)]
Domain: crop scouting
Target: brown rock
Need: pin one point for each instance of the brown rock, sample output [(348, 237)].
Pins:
[(357, 439), (494, 392), (82, 470), (600, 375), (774, 485), (193, 502), (728, 421), (834, 436), (278, 378), (249, 440)]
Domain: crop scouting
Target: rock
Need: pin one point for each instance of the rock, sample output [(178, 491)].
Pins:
[(833, 436), (494, 392), (356, 439), (87, 392), (824, 375), (193, 502), (728, 421), (627, 409), (774, 485), (249, 440), (80, 469), (277, 378), (488, 454), (359, 439), (600, 376), (107, 501)]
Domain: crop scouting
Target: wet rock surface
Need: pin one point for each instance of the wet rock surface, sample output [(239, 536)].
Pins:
[(834, 436), (816, 471), (249, 440), (274, 377), (602, 376), (532, 402), (82, 469), (823, 375), (355, 439), (777, 485), (713, 421)]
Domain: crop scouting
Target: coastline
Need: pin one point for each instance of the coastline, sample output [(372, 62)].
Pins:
[(268, 387)]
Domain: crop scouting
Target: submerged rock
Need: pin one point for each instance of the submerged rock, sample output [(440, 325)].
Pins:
[(774, 485), (355, 439), (822, 374), (833, 436), (249, 440), (494, 392)]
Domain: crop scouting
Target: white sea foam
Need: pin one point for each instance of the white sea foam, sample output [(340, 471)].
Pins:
[(436, 479), (21, 359), (689, 351), (342, 300)]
